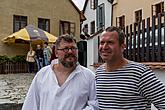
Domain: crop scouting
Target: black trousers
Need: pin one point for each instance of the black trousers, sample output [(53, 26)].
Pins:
[(30, 67)]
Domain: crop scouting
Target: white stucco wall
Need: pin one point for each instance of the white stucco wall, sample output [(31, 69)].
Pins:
[(92, 44), (108, 12), (92, 52), (90, 15)]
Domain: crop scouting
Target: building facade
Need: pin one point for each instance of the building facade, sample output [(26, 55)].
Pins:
[(98, 15), (55, 16), (128, 12)]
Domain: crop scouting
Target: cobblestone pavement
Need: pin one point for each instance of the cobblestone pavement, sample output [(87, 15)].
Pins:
[(13, 87)]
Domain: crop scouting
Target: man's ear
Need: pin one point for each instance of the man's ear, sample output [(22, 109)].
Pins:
[(56, 52), (123, 46)]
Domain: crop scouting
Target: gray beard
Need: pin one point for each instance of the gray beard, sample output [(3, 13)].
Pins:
[(67, 64)]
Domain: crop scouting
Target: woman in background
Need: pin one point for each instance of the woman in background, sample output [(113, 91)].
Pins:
[(30, 59)]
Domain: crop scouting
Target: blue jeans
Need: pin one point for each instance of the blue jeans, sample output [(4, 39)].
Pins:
[(46, 61), (39, 63)]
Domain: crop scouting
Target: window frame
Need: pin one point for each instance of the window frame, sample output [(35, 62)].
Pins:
[(67, 27), (138, 16), (120, 21), (93, 4), (100, 16), (159, 6), (45, 24), (92, 27), (21, 20)]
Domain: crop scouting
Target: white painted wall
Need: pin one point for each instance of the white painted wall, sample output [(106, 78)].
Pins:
[(92, 44), (108, 12), (90, 15), (92, 52)]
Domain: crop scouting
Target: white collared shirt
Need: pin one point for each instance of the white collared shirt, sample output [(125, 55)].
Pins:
[(77, 93)]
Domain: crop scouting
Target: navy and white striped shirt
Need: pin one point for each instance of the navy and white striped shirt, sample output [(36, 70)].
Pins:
[(133, 87)]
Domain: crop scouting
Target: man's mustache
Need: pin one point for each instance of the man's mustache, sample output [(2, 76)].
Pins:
[(70, 55)]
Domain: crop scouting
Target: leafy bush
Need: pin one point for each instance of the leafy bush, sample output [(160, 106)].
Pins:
[(17, 58), (4, 58)]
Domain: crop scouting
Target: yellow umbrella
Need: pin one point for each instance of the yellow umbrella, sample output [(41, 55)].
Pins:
[(30, 34)]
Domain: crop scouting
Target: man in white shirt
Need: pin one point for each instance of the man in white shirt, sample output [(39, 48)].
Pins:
[(63, 85)]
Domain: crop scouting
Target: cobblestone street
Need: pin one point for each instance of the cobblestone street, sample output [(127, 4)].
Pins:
[(13, 87)]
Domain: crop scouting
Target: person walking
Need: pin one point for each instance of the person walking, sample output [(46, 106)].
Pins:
[(30, 59), (123, 84), (64, 84), (39, 57)]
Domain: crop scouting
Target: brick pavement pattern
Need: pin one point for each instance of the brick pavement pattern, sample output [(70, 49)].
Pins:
[(13, 87)]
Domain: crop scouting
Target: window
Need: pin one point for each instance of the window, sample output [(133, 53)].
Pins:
[(44, 24), (19, 22), (138, 16), (92, 27), (93, 4), (157, 8), (100, 17), (67, 27), (85, 29), (120, 21)]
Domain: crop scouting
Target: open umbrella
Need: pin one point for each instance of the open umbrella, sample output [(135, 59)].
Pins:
[(30, 34)]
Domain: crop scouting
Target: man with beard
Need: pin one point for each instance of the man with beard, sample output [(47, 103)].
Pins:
[(64, 84)]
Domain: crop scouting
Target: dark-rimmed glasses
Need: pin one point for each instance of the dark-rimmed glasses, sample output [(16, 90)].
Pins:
[(73, 49)]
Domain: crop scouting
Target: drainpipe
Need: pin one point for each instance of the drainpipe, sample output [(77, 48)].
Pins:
[(112, 15), (111, 1)]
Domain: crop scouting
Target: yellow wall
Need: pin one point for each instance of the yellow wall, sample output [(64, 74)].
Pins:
[(128, 8), (55, 10)]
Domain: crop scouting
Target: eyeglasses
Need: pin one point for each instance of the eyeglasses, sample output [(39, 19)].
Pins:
[(73, 49)]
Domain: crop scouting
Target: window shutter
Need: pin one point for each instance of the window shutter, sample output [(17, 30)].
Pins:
[(103, 15)]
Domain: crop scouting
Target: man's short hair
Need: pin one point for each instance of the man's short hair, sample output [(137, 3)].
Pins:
[(46, 43), (121, 35), (68, 38)]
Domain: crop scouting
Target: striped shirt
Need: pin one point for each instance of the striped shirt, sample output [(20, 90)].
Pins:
[(133, 87)]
